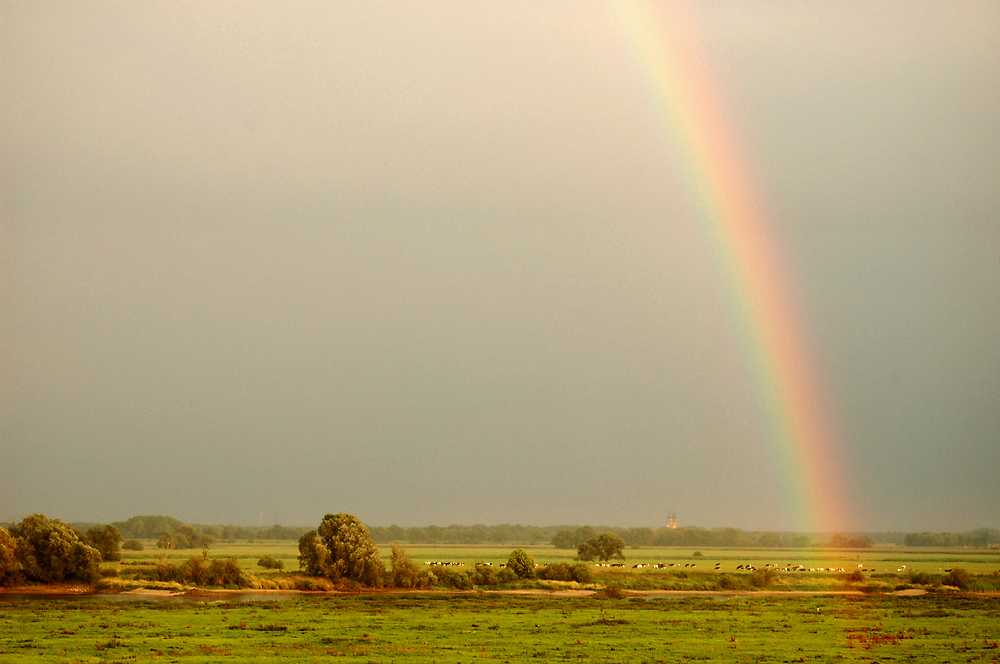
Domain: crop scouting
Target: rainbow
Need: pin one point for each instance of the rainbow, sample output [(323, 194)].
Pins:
[(663, 41)]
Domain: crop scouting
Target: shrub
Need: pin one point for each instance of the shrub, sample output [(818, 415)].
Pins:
[(521, 564), (698, 554), (450, 577), (922, 579), (405, 573), (10, 570), (763, 577), (855, 577), (193, 571), (107, 541), (224, 573), (133, 545), (613, 592), (51, 551), (727, 582), (485, 575), (270, 562), (957, 577), (578, 572)]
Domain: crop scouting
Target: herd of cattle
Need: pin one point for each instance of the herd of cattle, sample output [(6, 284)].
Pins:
[(747, 567)]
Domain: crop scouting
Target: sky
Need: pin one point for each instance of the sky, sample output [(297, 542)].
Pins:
[(439, 263)]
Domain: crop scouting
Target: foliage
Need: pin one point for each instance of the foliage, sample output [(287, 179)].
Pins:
[(769, 540), (147, 527), (9, 567), (578, 572), (133, 545), (603, 547), (351, 552), (184, 537), (958, 577), (981, 538), (521, 564), (50, 551), (564, 539), (450, 577), (843, 542), (314, 557), (107, 541), (270, 562), (405, 573), (761, 578)]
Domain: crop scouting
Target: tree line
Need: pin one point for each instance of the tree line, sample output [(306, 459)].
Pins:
[(170, 532)]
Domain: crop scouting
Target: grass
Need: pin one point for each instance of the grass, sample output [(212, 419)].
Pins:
[(884, 569), (462, 628)]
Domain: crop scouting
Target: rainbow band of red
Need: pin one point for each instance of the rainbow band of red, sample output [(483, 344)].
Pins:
[(663, 39)]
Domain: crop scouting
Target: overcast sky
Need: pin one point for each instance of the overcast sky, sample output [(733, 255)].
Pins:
[(439, 262)]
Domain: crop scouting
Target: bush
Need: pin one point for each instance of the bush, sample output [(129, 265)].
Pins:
[(923, 579), (578, 572), (485, 575), (855, 577), (270, 562), (10, 570), (521, 564), (958, 578), (405, 573), (450, 577), (727, 582), (107, 541), (133, 545), (613, 592), (763, 577), (50, 551), (224, 573), (193, 571)]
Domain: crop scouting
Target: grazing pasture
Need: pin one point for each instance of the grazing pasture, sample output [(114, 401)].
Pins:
[(673, 568), (499, 627)]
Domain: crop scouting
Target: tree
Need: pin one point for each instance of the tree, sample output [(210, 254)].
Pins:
[(564, 539), (9, 567), (350, 551), (107, 541), (605, 547), (51, 551), (521, 564), (587, 550), (314, 557), (405, 573), (770, 540), (583, 534)]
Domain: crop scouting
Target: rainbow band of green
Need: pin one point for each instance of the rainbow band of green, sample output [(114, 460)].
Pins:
[(663, 40)]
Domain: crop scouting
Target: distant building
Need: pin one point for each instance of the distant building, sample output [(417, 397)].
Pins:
[(672, 519)]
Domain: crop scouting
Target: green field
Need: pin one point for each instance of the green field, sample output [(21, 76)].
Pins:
[(509, 628), (750, 626), (885, 569)]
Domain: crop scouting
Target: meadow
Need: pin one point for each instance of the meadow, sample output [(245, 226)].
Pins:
[(882, 570), (478, 626)]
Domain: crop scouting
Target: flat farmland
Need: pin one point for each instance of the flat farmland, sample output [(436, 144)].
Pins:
[(470, 627), (686, 568)]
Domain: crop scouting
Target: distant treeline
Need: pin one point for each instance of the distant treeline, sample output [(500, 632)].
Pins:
[(570, 537), (979, 539), (153, 527)]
